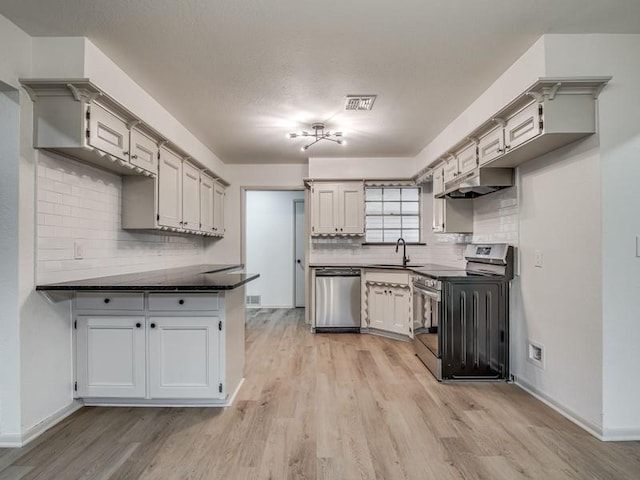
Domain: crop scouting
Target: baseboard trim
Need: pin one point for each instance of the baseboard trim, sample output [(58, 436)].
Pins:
[(233, 396), (567, 413), (621, 435), (16, 440)]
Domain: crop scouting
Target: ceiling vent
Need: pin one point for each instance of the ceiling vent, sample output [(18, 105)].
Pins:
[(360, 102)]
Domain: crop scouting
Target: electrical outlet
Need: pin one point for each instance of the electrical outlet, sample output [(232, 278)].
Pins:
[(536, 354), (78, 250), (537, 258)]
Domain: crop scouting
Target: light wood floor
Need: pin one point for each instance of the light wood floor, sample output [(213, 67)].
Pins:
[(331, 407)]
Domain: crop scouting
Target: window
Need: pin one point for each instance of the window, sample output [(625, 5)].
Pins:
[(391, 213)]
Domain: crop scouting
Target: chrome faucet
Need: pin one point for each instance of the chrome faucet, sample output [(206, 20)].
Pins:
[(405, 259)]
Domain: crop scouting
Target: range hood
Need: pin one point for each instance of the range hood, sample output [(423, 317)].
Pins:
[(478, 182)]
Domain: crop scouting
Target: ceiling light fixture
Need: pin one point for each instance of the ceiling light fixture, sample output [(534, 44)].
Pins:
[(319, 133)]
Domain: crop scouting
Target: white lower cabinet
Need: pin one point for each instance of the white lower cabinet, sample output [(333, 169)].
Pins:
[(388, 302), (171, 350), (111, 356), (184, 357)]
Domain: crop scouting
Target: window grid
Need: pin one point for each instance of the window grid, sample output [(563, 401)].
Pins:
[(392, 212)]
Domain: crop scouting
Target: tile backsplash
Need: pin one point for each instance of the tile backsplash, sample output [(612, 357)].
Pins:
[(496, 217), (79, 206)]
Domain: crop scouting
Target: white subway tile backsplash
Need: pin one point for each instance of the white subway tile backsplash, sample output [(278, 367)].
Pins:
[(76, 202)]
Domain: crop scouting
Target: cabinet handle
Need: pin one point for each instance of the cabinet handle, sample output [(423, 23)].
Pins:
[(107, 300), (185, 223), (138, 325), (181, 302), (153, 325), (134, 157), (336, 229), (125, 153)]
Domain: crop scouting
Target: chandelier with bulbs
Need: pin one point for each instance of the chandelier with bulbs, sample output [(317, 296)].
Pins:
[(319, 133)]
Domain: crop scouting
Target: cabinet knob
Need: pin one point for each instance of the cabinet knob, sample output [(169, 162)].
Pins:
[(134, 157), (185, 223), (138, 325), (340, 229), (125, 153), (336, 229), (153, 325), (181, 302), (107, 300)]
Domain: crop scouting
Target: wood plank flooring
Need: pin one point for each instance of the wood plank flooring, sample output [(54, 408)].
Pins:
[(328, 407)]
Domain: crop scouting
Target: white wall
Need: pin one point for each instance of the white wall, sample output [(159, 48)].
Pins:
[(79, 203), (359, 168), (619, 136), (15, 62), (270, 246)]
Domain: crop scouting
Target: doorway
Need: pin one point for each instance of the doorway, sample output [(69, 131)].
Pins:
[(274, 246)]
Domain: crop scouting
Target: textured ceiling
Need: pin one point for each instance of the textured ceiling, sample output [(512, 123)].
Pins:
[(241, 74)]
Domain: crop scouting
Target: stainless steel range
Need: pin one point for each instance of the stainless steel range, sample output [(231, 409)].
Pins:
[(461, 317)]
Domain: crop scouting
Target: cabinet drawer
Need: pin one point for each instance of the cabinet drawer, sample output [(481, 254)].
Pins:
[(399, 278), (109, 301), (184, 302)]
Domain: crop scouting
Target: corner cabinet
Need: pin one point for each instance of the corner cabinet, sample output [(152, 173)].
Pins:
[(337, 209), (158, 348), (387, 303)]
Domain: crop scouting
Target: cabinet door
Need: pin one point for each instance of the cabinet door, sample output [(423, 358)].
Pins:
[(351, 208), (190, 197), (206, 203), (170, 189), (438, 181), (218, 209), (438, 214), (491, 145), (523, 126), (324, 200), (467, 159), (399, 319), (184, 357), (377, 306), (111, 357), (144, 151), (108, 133), (450, 169)]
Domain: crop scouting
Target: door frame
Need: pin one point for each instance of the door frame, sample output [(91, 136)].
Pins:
[(243, 234), (295, 202)]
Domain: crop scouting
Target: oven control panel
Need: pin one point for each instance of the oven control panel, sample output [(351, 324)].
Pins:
[(427, 282)]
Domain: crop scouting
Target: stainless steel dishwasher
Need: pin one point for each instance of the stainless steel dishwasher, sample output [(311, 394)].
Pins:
[(337, 300)]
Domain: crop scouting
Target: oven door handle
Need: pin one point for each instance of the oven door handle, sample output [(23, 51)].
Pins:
[(433, 294)]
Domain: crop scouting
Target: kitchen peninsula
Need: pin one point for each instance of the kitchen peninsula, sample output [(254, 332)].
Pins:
[(167, 337)]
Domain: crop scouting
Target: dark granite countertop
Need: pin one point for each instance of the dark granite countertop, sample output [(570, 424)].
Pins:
[(191, 278)]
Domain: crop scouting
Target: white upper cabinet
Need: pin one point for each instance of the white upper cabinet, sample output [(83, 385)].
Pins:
[(218, 209), (206, 203), (170, 189), (144, 151), (452, 215), (438, 180), (108, 132), (337, 208), (190, 197), (523, 126), (467, 159), (491, 145), (450, 169)]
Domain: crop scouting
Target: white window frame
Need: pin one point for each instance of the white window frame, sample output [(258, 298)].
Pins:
[(401, 214)]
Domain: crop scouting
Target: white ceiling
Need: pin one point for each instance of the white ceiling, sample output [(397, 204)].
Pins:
[(241, 74)]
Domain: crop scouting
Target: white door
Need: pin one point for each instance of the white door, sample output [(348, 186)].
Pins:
[(206, 203), (299, 253), (324, 198), (108, 133), (351, 206), (399, 319), (170, 189), (111, 356), (144, 151), (218, 209), (190, 197), (184, 357), (377, 306)]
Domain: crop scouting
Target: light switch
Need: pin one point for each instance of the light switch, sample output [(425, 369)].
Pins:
[(537, 259)]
